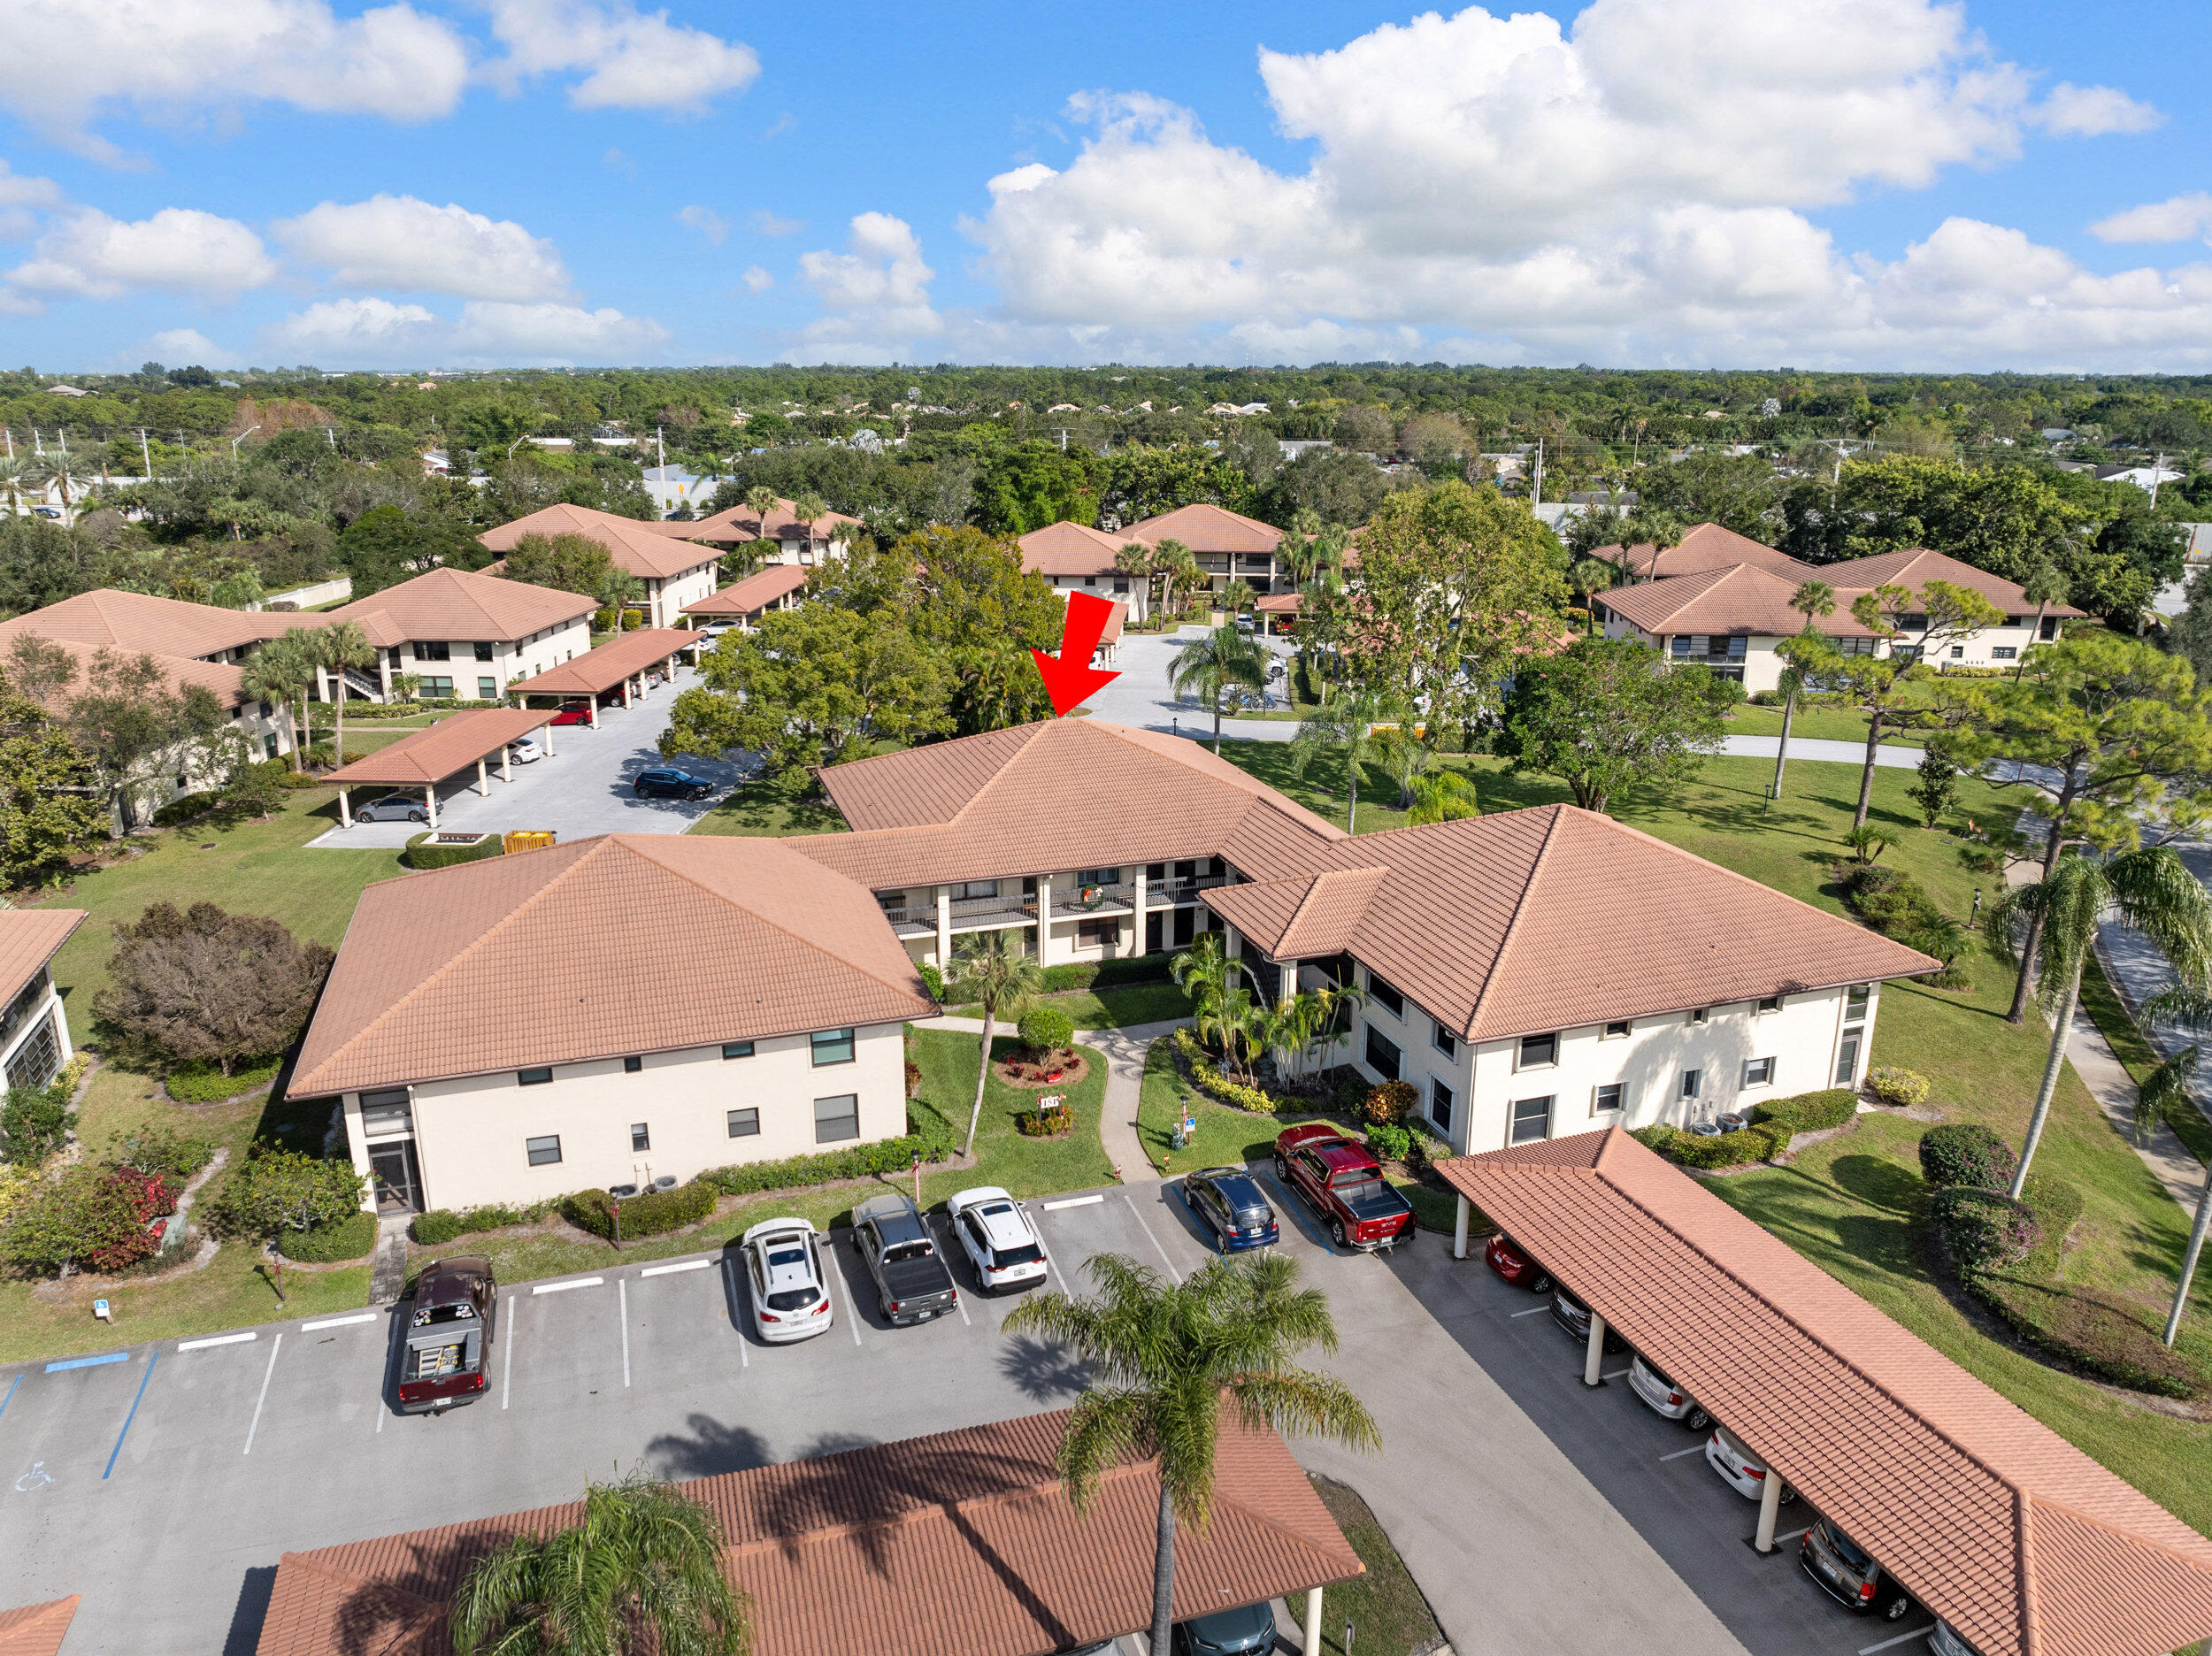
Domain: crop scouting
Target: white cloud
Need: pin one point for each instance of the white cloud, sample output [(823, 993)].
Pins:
[(2176, 218), (86, 255), (634, 60), (67, 59), (185, 345), (397, 242), (1635, 188), (875, 297), (769, 225), (371, 333), (707, 222), (756, 280), (22, 198)]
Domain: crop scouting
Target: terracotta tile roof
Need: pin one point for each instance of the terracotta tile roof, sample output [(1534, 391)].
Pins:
[(608, 665), (539, 958), (1071, 548), (454, 744), (28, 939), (1915, 567), (1709, 546), (741, 524), (1115, 616), (758, 590), (37, 1629), (1551, 919), (452, 605), (961, 1542), (1742, 598), (1048, 796), (635, 546), (1995, 1522), (1280, 603), (1207, 528), (143, 624), (226, 682)]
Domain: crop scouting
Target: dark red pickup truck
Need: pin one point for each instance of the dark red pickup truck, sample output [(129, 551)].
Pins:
[(1343, 1185)]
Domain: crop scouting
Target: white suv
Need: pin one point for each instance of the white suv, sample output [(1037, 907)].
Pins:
[(790, 1291), (1746, 1473), (1000, 1242)]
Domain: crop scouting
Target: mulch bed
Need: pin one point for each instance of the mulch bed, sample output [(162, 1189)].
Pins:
[(1070, 1074)]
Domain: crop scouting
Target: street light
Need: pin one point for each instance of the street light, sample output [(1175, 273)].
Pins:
[(240, 438), (516, 444)]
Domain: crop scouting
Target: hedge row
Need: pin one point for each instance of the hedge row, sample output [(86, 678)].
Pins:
[(441, 1225), (1984, 1229), (423, 852), (1712, 1150), (1810, 1112), (2101, 1336), (207, 1084), (348, 1238), (1111, 974), (887, 1156), (647, 1214), (1212, 1082)]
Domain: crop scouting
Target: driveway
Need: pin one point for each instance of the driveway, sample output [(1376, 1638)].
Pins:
[(1537, 1515), (1141, 696), (582, 788)]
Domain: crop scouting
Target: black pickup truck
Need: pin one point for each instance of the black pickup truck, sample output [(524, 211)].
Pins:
[(912, 1282)]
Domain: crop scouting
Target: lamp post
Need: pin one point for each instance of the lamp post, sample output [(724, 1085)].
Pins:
[(240, 438)]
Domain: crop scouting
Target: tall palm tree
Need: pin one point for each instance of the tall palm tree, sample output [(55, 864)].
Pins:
[(809, 508), (994, 968), (1177, 566), (618, 589), (1168, 1361), (2150, 889), (1661, 531), (276, 673), (2048, 586), (1135, 560), (15, 471), (643, 1569), (1210, 668), (2167, 1087), (1588, 577), (1343, 723), (1812, 599), (336, 647), (1238, 596), (1203, 971), (760, 500)]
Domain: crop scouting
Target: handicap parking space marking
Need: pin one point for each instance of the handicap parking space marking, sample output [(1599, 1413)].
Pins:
[(10, 1396), (275, 1345), (88, 1362), (36, 1479), (1903, 1638), (1695, 1448), (336, 1322), (1295, 1208), (1146, 1229), (220, 1339), (152, 1358)]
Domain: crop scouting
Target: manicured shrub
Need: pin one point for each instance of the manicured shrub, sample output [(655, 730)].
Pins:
[(441, 1225), (1390, 1143), (1810, 1112), (90, 1218), (1388, 1103), (34, 1123), (1984, 1229), (207, 1084), (184, 808), (280, 1189), (1895, 1085), (348, 1238), (2097, 1334), (1657, 1137), (424, 852), (175, 1155), (648, 1213), (1722, 1150), (1214, 1085), (1046, 1029), (887, 1156), (1132, 969), (934, 981), (1044, 1124), (1966, 1153), (1887, 899)]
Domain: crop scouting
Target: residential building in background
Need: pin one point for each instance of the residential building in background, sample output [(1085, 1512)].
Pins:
[(33, 1029), (1227, 545), (673, 572), (464, 636), (1077, 558), (777, 538)]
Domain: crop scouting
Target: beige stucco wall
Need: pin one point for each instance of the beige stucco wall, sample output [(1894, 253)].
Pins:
[(470, 1134), (665, 608), (1762, 667)]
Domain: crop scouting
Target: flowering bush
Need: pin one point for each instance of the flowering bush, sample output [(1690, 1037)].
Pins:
[(1389, 1102), (1893, 1085)]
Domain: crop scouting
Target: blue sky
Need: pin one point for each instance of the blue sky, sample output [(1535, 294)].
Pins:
[(1869, 183)]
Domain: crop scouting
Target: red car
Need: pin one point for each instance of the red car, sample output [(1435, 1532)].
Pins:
[(1344, 1185), (574, 713), (1515, 1266)]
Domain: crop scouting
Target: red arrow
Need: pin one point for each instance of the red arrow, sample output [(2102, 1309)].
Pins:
[(1070, 677)]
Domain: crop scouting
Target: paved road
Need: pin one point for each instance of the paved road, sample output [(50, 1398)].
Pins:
[(1537, 1517), (583, 789)]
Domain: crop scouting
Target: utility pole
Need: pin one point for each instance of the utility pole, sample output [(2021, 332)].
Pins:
[(2158, 468), (331, 433), (9, 433), (147, 452), (1536, 493)]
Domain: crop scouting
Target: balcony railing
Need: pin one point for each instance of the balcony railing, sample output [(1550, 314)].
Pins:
[(1103, 899), (1171, 894)]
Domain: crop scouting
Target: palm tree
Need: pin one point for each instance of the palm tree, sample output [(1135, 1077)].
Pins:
[(1238, 596), (1135, 560), (760, 500), (618, 589), (1661, 531), (1203, 971), (994, 968), (1442, 796), (643, 1569), (2048, 586), (1175, 565), (809, 508), (1589, 576), (2167, 1088), (1345, 721), (1166, 1362), (336, 647), (1800, 657), (276, 673), (2150, 889), (1210, 668), (15, 471)]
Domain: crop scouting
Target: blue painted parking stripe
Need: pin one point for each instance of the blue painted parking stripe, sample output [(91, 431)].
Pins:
[(88, 1362), (4, 1401), (127, 1419)]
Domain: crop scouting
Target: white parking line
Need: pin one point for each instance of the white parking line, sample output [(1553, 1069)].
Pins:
[(1792, 1535), (217, 1340), (1616, 1375), (338, 1322), (663, 1270), (622, 1291), (729, 1278), (1146, 1229), (562, 1287), (275, 1345), (1903, 1638), (1073, 1201), (507, 1369), (1531, 1311), (1677, 1454)]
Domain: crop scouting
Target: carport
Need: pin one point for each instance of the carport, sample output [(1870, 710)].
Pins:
[(621, 661), (2020, 1542), (743, 603), (1278, 612), (424, 758)]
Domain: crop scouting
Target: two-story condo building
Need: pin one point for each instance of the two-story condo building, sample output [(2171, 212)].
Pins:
[(463, 635), (776, 537), (674, 572), (1227, 545), (1077, 558)]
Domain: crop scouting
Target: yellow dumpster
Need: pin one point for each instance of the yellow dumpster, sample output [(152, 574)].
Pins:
[(526, 839)]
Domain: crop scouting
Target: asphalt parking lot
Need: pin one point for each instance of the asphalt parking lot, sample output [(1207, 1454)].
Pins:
[(164, 1485)]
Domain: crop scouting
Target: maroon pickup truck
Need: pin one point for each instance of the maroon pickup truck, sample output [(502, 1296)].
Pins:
[(1343, 1185), (449, 1335)]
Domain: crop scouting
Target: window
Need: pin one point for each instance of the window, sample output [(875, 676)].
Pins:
[(483, 650), (1847, 1058), (386, 1112), (973, 888), (2004, 652), (640, 1136), (1608, 1099), (2049, 629), (1098, 876), (1614, 1032), (1854, 1003), (1770, 1003), (1537, 1050), (737, 1049), (1384, 996), (1691, 1081), (1382, 1054), (1440, 1105), (434, 652), (1700, 1013), (831, 1047), (1531, 1119), (269, 746), (1758, 1072), (836, 1119), (533, 1077), (1097, 933), (543, 1152), (437, 688), (1854, 646), (631, 1065), (488, 689), (1958, 652), (1155, 871), (744, 1124), (1444, 1041)]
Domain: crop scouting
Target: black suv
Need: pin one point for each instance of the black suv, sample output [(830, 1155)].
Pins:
[(667, 783)]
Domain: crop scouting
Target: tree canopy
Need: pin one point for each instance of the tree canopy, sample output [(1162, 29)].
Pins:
[(1608, 714)]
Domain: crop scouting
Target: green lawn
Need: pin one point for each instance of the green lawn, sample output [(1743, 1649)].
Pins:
[(1817, 725), (1110, 1008), (756, 809), (1390, 1615)]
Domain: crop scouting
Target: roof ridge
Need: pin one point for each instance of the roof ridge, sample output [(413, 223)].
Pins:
[(998, 773), (2054, 1504), (2022, 1567), (1512, 927), (1260, 1515)]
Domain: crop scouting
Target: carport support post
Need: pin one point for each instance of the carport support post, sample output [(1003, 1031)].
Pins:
[(1593, 1358), (506, 763), (483, 778), (1459, 1229), (595, 712), (430, 799), (345, 806), (1313, 1621), (1770, 1505)]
